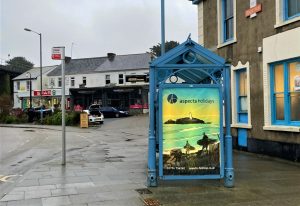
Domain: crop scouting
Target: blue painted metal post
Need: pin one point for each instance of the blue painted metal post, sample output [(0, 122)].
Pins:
[(162, 12), (152, 179), (229, 172)]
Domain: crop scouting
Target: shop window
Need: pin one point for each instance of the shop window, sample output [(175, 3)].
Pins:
[(84, 80), (107, 79), (121, 79), (59, 82), (72, 81), (27, 85), (291, 8), (285, 92)]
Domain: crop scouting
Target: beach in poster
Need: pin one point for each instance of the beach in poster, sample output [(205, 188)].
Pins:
[(191, 131)]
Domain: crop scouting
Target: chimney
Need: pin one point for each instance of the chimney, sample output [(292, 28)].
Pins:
[(111, 56)]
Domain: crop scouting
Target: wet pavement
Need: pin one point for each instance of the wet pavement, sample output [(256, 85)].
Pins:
[(107, 165)]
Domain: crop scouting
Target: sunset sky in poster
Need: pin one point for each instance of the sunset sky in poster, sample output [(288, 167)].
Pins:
[(209, 112)]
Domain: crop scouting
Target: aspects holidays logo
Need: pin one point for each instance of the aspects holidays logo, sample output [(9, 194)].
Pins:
[(172, 98)]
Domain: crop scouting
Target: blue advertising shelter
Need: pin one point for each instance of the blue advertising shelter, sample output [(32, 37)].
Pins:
[(196, 74)]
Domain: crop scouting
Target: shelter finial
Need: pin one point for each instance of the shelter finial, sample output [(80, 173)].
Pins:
[(189, 40)]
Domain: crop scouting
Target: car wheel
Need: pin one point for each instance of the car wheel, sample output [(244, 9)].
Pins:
[(101, 122), (117, 115)]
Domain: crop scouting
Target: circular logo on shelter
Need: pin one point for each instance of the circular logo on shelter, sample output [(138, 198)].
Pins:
[(172, 98)]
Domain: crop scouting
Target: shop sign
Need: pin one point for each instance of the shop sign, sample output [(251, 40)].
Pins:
[(44, 93), (253, 10), (190, 131)]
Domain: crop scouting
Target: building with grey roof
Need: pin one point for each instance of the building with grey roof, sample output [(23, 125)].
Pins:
[(113, 80)]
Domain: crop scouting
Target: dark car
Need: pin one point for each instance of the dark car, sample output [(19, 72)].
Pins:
[(113, 112)]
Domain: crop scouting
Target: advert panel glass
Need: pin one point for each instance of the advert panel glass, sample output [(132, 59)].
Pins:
[(191, 131)]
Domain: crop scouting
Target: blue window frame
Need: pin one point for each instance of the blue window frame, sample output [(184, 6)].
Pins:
[(285, 92), (242, 96), (291, 9), (228, 20)]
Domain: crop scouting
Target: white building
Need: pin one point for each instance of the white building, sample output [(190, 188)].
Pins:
[(22, 86), (114, 80)]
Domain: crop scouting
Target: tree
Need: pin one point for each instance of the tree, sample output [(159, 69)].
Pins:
[(155, 50), (19, 64)]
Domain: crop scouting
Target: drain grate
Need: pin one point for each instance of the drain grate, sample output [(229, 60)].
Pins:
[(143, 191), (151, 202)]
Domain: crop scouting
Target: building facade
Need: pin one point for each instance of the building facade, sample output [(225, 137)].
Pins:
[(114, 80), (261, 39), (21, 87)]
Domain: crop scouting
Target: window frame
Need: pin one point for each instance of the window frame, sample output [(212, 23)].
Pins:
[(28, 85), (222, 42), (72, 82), (285, 11), (18, 85), (225, 21), (236, 123), (121, 79), (84, 80), (238, 96), (107, 79), (287, 107), (59, 82)]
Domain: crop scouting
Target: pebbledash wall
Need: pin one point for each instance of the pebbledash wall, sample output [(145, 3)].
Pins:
[(264, 50)]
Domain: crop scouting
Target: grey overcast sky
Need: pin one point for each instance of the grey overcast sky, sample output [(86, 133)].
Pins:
[(96, 27)]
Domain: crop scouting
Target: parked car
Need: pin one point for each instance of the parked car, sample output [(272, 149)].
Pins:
[(94, 113), (95, 117), (113, 112)]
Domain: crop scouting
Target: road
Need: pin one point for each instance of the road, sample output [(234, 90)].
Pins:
[(24, 148)]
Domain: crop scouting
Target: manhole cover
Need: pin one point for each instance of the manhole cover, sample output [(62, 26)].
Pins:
[(143, 191), (151, 202)]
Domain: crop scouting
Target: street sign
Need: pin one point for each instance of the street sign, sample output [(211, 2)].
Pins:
[(58, 53)]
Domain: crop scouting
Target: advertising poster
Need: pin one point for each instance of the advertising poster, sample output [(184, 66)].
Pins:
[(191, 131)]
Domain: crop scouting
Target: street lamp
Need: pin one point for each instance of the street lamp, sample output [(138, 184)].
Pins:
[(41, 91), (28, 74)]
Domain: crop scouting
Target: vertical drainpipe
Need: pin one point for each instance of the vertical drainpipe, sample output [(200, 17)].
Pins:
[(229, 172), (152, 179)]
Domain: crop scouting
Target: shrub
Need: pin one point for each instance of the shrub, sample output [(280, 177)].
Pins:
[(71, 118)]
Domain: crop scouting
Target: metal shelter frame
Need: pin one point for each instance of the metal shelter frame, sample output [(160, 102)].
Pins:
[(189, 65)]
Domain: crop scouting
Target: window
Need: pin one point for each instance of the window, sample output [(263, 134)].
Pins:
[(52, 82), (84, 80), (107, 79), (240, 95), (285, 92), (27, 85), (226, 11), (18, 85), (291, 8), (72, 81), (59, 82), (228, 18), (121, 79)]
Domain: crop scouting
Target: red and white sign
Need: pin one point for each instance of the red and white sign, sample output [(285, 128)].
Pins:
[(44, 93), (253, 10), (58, 53)]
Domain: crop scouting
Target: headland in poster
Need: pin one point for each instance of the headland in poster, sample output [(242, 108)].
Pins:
[(191, 131)]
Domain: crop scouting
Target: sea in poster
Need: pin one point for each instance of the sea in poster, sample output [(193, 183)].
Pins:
[(191, 131)]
